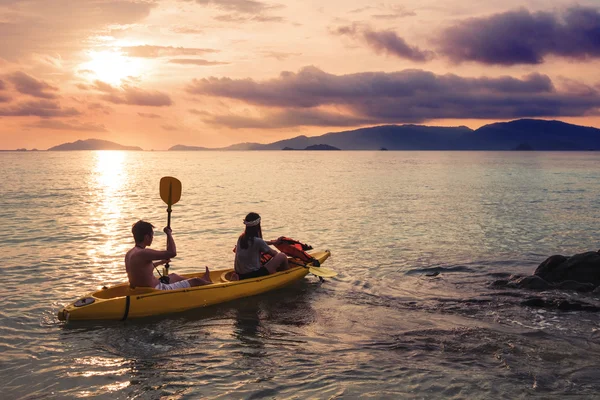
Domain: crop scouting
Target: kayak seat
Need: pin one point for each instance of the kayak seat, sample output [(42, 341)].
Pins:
[(227, 276)]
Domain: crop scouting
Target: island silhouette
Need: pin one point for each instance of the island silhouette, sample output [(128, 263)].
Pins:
[(517, 135)]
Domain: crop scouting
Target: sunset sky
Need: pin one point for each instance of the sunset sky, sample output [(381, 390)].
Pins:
[(154, 73)]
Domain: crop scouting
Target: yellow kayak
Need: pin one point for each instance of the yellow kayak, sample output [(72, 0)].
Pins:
[(120, 302)]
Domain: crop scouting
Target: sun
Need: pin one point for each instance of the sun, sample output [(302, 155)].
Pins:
[(111, 66)]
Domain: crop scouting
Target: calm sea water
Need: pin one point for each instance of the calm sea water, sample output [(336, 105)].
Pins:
[(382, 329)]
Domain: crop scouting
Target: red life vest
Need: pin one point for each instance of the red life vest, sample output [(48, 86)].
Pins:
[(291, 248)]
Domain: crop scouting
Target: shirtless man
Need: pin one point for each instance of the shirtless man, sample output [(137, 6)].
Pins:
[(140, 261)]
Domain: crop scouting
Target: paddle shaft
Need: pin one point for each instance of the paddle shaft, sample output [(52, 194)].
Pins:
[(327, 273), (166, 271)]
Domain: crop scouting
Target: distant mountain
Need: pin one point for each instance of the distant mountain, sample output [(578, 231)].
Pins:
[(92, 144), (314, 147), (538, 134), (181, 147)]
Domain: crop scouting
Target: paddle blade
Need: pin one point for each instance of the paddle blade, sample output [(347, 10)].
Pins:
[(322, 272), (170, 190)]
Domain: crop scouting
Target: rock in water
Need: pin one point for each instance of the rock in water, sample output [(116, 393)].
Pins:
[(583, 268)]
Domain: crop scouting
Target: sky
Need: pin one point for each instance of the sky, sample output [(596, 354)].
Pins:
[(211, 73)]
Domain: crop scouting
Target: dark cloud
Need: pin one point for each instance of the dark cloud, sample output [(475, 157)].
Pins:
[(4, 99), (149, 115), (405, 96), (195, 61), (387, 42), (2, 85), (41, 108), (147, 51), (69, 126), (390, 43), (26, 84), (169, 127), (521, 37)]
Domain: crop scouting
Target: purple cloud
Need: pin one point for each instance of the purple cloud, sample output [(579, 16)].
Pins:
[(26, 84), (521, 37), (405, 96), (387, 42)]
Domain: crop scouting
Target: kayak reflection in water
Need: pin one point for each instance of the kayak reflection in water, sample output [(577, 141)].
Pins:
[(140, 261), (248, 251)]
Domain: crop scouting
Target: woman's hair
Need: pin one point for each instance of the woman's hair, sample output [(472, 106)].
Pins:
[(252, 222), (140, 229)]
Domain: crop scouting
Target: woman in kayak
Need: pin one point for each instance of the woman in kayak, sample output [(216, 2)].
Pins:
[(249, 247)]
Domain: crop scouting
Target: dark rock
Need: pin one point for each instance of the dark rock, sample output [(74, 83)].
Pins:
[(523, 147), (559, 304), (583, 268)]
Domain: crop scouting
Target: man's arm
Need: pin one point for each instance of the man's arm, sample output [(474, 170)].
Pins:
[(170, 252)]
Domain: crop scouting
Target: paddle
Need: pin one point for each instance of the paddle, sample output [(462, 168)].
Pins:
[(321, 272), (170, 193)]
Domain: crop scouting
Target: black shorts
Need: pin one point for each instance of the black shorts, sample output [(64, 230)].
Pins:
[(262, 271)]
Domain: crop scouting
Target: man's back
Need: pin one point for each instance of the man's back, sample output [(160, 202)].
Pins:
[(139, 269)]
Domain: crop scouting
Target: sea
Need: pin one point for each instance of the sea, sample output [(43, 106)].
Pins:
[(417, 239)]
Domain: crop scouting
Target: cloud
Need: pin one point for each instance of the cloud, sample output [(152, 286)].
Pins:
[(169, 127), (383, 11), (387, 42), (41, 108), (69, 126), (195, 61), (147, 51), (2, 85), (100, 107), (288, 119), (4, 99), (241, 6), (149, 115), (279, 55), (130, 95), (136, 96), (246, 18), (198, 112), (187, 30), (521, 37), (410, 95), (26, 84), (38, 26)]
